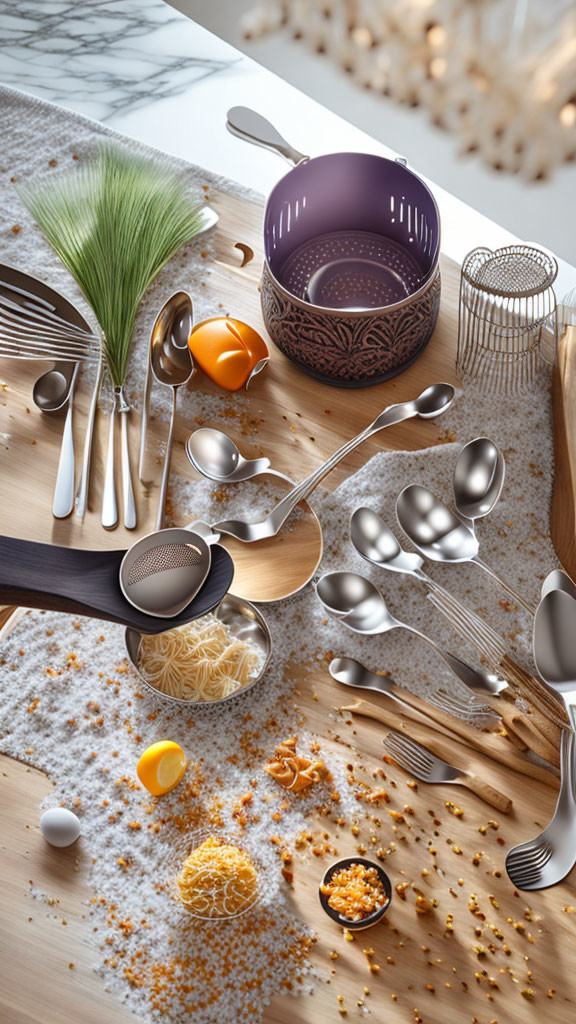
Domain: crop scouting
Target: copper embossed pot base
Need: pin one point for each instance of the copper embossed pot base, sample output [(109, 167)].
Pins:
[(346, 349)]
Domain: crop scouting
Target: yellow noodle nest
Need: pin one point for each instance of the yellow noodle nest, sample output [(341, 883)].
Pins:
[(217, 880), (202, 661)]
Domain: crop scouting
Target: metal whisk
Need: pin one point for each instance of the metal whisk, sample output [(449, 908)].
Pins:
[(506, 304)]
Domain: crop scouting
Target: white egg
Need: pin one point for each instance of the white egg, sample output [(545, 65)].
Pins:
[(59, 826)]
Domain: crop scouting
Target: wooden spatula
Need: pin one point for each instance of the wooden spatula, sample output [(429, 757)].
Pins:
[(86, 583), (563, 510)]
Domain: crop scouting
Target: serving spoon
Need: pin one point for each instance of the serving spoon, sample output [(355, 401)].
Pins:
[(433, 401), (478, 479), (438, 534), (358, 604), (216, 456), (172, 365), (555, 647)]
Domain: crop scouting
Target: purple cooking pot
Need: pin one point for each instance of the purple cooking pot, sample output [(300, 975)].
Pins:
[(351, 281)]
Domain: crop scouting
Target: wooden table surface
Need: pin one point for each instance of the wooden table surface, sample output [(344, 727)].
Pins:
[(426, 971)]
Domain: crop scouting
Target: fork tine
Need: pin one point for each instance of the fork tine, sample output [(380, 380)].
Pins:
[(401, 760), (413, 754), (416, 750), (471, 707)]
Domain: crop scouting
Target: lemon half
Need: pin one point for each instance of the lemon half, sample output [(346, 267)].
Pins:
[(161, 767)]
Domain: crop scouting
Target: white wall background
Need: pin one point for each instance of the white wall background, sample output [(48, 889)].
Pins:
[(543, 212)]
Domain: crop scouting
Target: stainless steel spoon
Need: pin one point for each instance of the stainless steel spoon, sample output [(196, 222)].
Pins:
[(433, 401), (209, 219), (358, 604), (375, 542), (478, 479), (215, 456), (52, 390), (558, 580), (350, 672), (63, 501), (172, 365), (555, 647), (438, 534)]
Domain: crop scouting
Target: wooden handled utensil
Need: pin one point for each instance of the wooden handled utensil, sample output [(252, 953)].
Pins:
[(430, 768), (496, 748)]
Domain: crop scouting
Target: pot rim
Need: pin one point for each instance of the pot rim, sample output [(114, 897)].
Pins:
[(376, 310)]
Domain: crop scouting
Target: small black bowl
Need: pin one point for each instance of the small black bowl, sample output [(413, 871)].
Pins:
[(345, 922)]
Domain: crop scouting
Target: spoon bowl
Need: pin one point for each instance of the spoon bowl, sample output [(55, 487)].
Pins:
[(433, 528), (558, 580), (555, 640), (52, 390), (375, 542), (161, 573), (478, 478), (171, 363), (216, 456), (434, 400), (356, 601)]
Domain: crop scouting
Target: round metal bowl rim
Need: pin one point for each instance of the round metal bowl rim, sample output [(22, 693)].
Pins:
[(356, 314), (345, 922), (376, 310), (526, 293), (222, 700)]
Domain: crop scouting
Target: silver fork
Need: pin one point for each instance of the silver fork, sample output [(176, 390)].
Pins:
[(427, 767), (548, 858)]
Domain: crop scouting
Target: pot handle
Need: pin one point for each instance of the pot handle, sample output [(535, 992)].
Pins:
[(247, 124)]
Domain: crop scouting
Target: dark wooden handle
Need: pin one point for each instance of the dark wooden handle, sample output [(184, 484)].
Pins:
[(83, 582)]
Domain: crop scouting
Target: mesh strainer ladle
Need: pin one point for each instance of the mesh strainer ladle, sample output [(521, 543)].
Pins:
[(162, 572)]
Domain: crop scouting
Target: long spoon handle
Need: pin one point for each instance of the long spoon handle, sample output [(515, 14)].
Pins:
[(109, 502), (63, 502), (395, 414), (252, 127), (464, 672), (82, 492), (127, 489), (144, 421), (167, 461), (503, 583)]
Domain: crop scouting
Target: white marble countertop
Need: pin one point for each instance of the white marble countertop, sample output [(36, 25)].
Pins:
[(148, 71)]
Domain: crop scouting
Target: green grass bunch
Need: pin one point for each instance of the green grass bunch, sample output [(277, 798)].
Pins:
[(114, 221)]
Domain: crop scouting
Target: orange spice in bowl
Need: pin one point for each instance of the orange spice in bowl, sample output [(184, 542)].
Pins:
[(355, 892)]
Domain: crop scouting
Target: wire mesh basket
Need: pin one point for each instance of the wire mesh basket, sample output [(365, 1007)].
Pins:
[(507, 309)]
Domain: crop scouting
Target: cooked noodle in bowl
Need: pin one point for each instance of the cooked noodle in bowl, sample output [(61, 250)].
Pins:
[(208, 660)]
